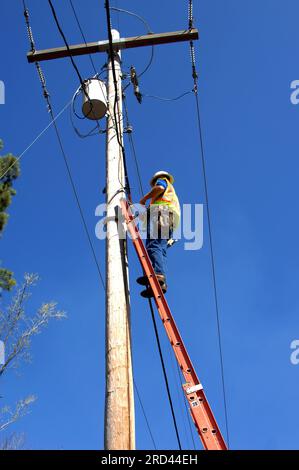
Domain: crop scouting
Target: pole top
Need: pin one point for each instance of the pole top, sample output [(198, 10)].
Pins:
[(115, 34), (115, 37)]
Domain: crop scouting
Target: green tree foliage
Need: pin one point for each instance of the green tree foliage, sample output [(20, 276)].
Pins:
[(6, 280), (9, 171)]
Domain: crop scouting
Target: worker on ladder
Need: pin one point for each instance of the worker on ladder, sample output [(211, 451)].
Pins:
[(163, 216)]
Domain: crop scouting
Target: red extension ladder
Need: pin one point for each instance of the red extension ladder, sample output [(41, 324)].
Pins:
[(200, 410)]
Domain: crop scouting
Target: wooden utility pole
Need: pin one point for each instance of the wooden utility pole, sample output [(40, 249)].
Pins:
[(119, 406)]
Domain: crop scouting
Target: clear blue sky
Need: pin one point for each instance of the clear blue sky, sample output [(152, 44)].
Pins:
[(247, 57)]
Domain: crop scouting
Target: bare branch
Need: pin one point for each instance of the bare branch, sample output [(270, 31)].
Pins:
[(18, 327), (7, 416), (13, 442)]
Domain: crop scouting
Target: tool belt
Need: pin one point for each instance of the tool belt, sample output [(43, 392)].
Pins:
[(160, 221)]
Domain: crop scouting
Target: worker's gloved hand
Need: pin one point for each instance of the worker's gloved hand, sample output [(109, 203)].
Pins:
[(142, 215)]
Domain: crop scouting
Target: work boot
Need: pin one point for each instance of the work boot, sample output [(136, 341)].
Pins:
[(143, 280), (148, 293), (161, 278)]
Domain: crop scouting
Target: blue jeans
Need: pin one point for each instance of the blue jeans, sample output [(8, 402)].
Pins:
[(156, 244)]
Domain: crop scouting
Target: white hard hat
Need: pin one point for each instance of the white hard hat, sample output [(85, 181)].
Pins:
[(160, 174)]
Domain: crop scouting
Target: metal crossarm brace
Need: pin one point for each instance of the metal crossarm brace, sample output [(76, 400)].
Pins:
[(200, 410)]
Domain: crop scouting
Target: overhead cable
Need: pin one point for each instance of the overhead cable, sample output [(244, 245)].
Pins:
[(203, 163)]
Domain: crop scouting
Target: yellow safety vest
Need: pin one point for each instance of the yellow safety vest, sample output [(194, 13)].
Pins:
[(170, 199)]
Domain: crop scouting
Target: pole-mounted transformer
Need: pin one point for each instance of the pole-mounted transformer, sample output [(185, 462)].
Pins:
[(94, 95)]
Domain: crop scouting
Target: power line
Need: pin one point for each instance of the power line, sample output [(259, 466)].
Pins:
[(122, 147), (77, 198), (65, 41), (203, 163), (165, 374), (144, 414), (150, 302), (118, 20), (149, 31), (82, 34), (54, 14), (35, 140), (82, 82), (195, 91), (148, 65), (121, 10), (108, 18), (111, 52), (178, 392), (185, 405), (161, 98), (131, 141), (54, 123)]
